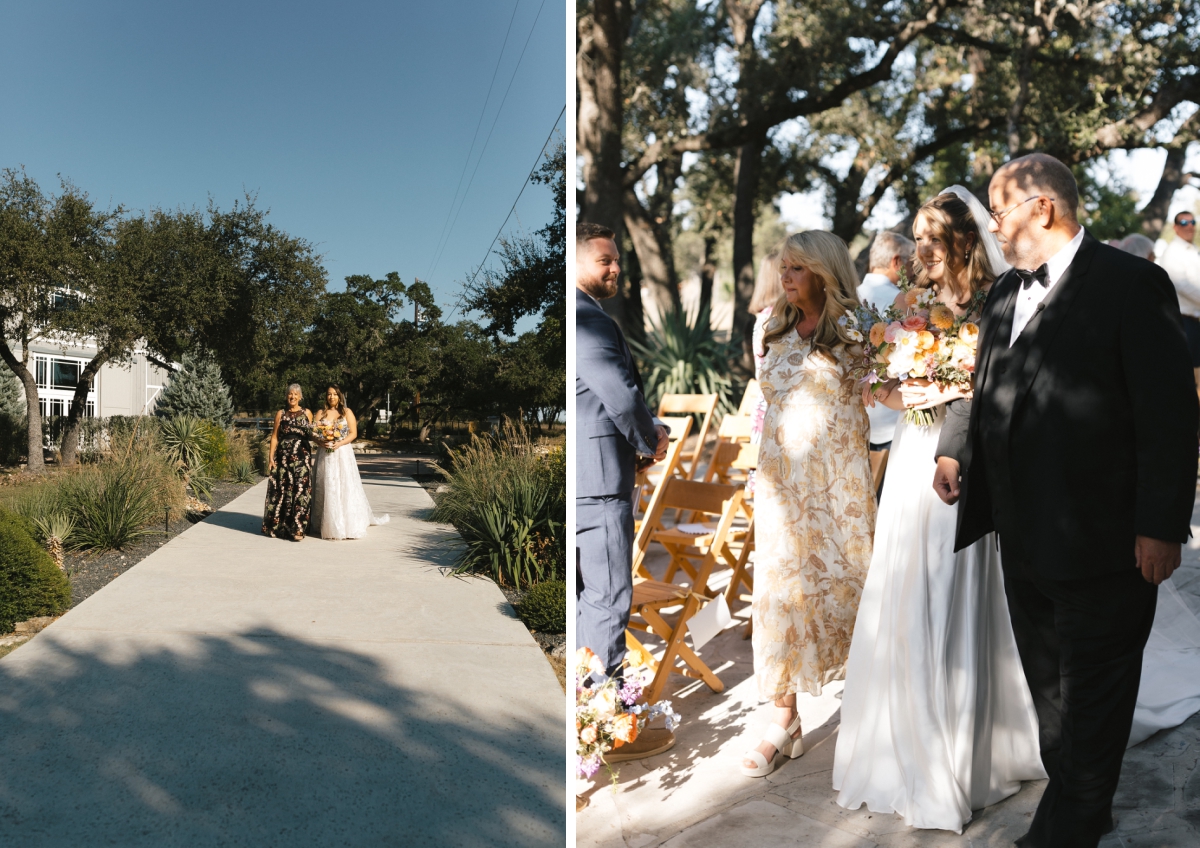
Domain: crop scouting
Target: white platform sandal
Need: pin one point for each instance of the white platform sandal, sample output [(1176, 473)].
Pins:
[(785, 746)]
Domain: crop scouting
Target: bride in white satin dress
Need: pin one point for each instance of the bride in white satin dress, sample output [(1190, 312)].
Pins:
[(340, 509), (937, 719)]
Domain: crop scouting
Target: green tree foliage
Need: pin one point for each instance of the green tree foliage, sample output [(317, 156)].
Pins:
[(30, 583), (12, 418), (196, 389), (531, 282)]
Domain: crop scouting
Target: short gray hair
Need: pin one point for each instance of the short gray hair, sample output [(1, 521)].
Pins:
[(295, 386), (1041, 173), (1138, 245), (888, 244)]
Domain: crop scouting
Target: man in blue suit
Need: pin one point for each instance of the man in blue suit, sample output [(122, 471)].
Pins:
[(613, 428)]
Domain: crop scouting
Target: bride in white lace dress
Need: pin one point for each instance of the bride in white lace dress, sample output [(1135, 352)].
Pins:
[(340, 509)]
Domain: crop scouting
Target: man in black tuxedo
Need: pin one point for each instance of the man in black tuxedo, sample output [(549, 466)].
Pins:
[(1079, 449)]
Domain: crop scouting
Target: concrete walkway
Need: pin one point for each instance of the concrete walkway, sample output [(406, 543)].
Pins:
[(694, 796), (236, 690)]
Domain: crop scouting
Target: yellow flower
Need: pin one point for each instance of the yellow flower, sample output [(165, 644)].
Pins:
[(925, 340), (969, 333), (941, 317), (877, 333)]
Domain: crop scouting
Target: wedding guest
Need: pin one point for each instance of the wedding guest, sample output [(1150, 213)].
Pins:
[(890, 254), (1181, 261), (289, 491), (613, 427), (1138, 245), (814, 513)]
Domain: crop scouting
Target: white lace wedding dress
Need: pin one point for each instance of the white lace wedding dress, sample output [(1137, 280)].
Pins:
[(937, 719), (340, 509)]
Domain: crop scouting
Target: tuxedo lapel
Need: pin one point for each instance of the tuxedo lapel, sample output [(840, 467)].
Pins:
[(995, 327), (1046, 321)]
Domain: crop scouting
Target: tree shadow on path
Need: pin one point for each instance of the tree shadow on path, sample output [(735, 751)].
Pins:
[(261, 739)]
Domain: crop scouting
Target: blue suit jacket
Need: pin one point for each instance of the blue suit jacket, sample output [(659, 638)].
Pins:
[(613, 425)]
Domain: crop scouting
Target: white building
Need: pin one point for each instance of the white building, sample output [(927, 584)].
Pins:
[(129, 389)]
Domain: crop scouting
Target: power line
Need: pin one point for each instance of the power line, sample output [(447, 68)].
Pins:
[(519, 193), (483, 150), (471, 149)]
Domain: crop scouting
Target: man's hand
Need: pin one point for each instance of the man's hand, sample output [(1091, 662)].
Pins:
[(664, 442), (945, 480), (1155, 558)]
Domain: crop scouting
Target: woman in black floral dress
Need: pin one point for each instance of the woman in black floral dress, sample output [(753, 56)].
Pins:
[(289, 491)]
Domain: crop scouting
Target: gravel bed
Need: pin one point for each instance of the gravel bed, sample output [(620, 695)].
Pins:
[(90, 571)]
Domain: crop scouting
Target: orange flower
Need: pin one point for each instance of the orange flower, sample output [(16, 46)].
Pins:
[(624, 728), (877, 333), (969, 333), (925, 340), (941, 317), (910, 298), (588, 735)]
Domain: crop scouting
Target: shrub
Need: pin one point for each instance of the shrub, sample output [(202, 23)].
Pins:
[(544, 607), (13, 440), (111, 507), (500, 499), (244, 472), (684, 357), (30, 583), (214, 450), (244, 446), (188, 442), (196, 390)]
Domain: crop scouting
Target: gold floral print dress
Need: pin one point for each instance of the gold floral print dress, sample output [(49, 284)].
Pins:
[(814, 517)]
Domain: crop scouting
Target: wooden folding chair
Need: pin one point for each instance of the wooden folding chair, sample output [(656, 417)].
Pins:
[(750, 398), (650, 478), (703, 405), (696, 554), (652, 597), (741, 575), (879, 460), (669, 464), (734, 431)]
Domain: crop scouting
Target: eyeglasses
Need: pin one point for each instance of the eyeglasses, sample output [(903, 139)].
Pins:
[(1186, 223), (999, 216)]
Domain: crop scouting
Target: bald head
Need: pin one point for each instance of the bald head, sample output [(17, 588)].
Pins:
[(1034, 201), (1040, 173)]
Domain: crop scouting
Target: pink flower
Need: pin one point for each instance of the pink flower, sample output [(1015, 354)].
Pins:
[(889, 335), (913, 322)]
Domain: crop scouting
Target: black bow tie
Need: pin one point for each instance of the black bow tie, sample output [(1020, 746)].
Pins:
[(1028, 278)]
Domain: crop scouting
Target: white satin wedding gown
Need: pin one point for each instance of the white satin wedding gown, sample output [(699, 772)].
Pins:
[(937, 719), (340, 509)]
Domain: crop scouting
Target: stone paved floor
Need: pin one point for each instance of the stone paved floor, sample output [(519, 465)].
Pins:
[(694, 794)]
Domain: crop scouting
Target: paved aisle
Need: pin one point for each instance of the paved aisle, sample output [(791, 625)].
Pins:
[(235, 690)]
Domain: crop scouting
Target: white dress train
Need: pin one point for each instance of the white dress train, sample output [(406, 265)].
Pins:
[(937, 719), (340, 509)]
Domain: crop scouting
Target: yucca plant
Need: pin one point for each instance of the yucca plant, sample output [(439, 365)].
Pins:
[(503, 538), (244, 472), (683, 356), (113, 507), (55, 532), (185, 440)]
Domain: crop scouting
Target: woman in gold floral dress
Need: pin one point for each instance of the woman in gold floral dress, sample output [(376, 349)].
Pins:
[(814, 503)]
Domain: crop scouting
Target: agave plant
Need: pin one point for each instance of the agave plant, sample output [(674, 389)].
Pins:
[(183, 438), (683, 356)]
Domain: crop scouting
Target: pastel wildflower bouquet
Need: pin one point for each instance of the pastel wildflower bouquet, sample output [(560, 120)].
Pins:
[(917, 337), (325, 433), (607, 714)]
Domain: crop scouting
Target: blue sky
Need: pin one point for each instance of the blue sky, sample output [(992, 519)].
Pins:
[(351, 120)]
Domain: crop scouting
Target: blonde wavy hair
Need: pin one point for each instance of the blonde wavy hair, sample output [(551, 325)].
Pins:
[(828, 258), (951, 221)]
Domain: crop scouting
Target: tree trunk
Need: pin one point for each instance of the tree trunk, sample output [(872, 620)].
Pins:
[(652, 244), (631, 296), (745, 178), (33, 410), (70, 439), (600, 46), (708, 273), (1154, 216)]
